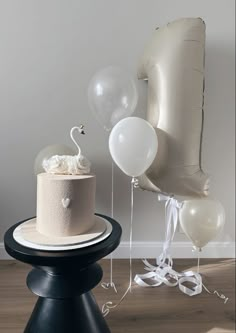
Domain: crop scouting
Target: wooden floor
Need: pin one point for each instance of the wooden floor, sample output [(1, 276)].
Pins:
[(145, 310)]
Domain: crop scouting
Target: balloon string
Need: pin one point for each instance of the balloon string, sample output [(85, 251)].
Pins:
[(131, 232), (198, 261), (109, 305), (221, 296), (163, 270), (112, 215), (112, 189), (111, 284)]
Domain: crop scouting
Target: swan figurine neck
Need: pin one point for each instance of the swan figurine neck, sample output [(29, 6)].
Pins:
[(68, 164)]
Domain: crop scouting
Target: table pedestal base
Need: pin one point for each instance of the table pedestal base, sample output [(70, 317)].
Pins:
[(65, 303), (75, 315), (63, 281)]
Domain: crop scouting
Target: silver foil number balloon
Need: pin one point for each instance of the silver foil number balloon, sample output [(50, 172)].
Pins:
[(173, 64)]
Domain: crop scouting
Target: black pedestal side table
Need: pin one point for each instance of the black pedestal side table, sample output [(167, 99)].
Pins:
[(63, 281)]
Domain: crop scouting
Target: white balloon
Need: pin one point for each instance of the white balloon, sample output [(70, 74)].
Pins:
[(201, 220), (133, 145)]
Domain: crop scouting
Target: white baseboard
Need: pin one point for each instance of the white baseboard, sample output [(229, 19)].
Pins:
[(153, 249), (3, 254), (178, 250)]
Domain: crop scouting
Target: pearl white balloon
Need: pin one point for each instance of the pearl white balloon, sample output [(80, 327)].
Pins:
[(201, 220), (112, 96), (48, 152), (133, 145)]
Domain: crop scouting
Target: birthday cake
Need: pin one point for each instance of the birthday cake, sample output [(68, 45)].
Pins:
[(65, 206)]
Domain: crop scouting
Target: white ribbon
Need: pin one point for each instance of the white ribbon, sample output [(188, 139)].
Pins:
[(171, 216), (164, 273)]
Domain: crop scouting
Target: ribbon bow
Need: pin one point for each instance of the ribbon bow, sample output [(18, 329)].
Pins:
[(163, 272), (172, 206)]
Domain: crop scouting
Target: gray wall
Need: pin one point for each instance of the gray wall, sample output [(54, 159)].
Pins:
[(49, 49)]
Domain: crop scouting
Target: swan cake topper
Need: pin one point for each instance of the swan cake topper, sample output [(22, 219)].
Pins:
[(68, 164)]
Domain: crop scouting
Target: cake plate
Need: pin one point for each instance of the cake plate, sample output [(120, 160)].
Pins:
[(63, 281)]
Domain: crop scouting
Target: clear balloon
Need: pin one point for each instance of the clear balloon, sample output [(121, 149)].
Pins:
[(112, 96), (48, 152), (133, 145), (201, 220)]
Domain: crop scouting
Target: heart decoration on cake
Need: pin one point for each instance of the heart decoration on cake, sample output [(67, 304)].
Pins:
[(65, 202)]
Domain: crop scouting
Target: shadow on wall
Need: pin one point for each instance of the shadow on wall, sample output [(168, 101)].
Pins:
[(219, 129), (219, 71), (219, 107)]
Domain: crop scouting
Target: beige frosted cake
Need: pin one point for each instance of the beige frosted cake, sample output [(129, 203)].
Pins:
[(65, 204)]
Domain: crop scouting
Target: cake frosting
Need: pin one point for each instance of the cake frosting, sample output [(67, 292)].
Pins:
[(65, 204), (67, 165)]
